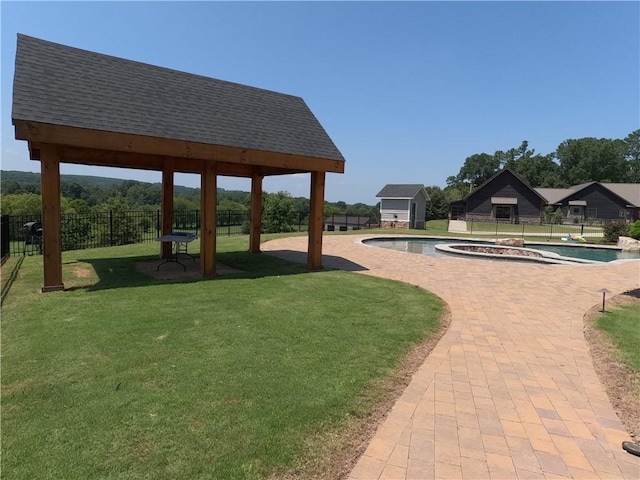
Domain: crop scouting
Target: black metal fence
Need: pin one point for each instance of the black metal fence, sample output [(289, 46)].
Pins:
[(5, 244), (549, 231), (104, 229)]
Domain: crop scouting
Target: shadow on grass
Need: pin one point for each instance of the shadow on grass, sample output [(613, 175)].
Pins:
[(6, 287), (122, 273)]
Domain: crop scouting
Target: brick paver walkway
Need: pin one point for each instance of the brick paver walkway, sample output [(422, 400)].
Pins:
[(510, 390)]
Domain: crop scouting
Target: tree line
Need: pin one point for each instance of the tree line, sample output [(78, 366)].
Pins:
[(21, 196), (575, 161)]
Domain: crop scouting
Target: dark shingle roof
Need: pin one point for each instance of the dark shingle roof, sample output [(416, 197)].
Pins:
[(400, 191), (62, 85), (629, 192)]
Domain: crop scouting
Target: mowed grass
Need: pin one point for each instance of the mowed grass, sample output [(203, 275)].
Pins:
[(622, 325), (127, 377)]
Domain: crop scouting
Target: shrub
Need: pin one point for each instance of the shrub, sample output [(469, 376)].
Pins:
[(614, 230), (634, 231)]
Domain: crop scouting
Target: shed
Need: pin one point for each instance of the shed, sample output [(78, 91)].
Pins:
[(403, 205), (76, 106)]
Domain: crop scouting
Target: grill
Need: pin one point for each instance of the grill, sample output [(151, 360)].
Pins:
[(32, 238)]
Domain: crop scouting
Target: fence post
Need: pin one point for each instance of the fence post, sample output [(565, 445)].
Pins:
[(551, 232), (496, 227), (158, 234), (228, 223), (523, 230), (582, 229), (111, 227)]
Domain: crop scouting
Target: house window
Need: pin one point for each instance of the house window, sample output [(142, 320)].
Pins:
[(591, 213), (503, 212), (457, 211), (576, 210), (622, 213)]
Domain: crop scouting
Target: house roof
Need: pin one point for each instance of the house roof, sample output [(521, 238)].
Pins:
[(496, 175), (401, 191), (629, 192), (60, 85), (554, 195)]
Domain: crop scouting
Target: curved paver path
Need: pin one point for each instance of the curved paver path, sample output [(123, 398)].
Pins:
[(510, 390)]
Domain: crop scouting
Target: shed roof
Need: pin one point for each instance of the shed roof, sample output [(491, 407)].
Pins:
[(61, 85), (400, 190)]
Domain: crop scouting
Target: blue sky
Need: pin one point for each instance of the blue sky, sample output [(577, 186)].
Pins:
[(406, 90)]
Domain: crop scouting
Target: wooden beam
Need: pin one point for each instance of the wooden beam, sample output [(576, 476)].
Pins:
[(51, 230), (104, 158), (256, 213), (125, 142), (167, 206), (208, 219), (316, 220)]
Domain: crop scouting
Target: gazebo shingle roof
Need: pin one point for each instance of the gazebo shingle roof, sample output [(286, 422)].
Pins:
[(61, 85)]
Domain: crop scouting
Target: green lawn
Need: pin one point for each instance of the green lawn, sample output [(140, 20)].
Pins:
[(622, 325), (122, 376)]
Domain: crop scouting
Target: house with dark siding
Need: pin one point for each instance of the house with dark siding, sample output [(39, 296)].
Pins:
[(596, 201), (506, 197)]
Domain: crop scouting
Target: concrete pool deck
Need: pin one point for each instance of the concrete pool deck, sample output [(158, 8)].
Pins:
[(510, 390)]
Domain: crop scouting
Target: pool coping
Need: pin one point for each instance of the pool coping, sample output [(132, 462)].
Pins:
[(549, 258)]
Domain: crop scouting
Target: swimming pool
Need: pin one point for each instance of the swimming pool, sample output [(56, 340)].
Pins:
[(427, 246)]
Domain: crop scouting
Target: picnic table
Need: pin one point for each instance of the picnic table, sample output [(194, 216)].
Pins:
[(180, 242)]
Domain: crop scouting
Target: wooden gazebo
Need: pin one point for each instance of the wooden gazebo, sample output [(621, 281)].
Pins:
[(82, 107)]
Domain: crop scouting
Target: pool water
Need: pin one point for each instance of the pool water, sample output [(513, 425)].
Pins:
[(426, 246)]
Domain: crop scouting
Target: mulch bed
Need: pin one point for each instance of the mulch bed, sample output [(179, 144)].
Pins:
[(174, 271)]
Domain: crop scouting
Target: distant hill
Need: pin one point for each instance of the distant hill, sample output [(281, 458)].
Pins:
[(33, 178)]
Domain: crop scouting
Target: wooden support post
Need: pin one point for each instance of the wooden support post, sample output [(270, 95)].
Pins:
[(51, 221), (208, 219), (256, 213), (167, 206), (316, 220)]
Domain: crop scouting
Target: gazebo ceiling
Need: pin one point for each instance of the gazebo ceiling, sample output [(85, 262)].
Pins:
[(103, 110)]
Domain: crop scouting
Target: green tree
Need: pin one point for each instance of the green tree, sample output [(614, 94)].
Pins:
[(279, 213), (538, 170), (22, 204), (183, 203), (330, 209), (513, 155), (477, 169), (438, 207), (456, 191), (592, 160), (632, 155), (119, 226), (227, 204), (361, 209)]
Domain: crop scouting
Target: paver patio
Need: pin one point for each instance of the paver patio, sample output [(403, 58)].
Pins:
[(510, 390)]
